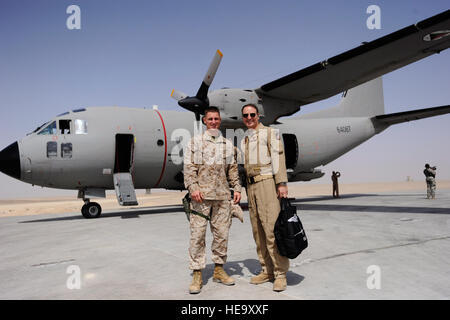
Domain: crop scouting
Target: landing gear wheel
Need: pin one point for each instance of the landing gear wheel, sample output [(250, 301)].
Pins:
[(91, 210)]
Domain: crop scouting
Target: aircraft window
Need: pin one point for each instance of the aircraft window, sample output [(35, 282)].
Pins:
[(80, 126), (79, 110), (39, 128), (64, 126), (66, 150), (63, 114), (50, 129), (52, 149)]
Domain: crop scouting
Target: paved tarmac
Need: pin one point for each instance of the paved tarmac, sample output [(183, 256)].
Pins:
[(361, 246)]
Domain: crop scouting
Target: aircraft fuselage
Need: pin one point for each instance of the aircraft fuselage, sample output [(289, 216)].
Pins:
[(84, 149)]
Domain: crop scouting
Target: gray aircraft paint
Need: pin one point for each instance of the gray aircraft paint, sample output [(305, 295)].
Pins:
[(325, 135), (92, 161), (320, 149)]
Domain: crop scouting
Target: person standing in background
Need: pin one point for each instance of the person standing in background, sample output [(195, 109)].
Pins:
[(430, 179), (334, 178)]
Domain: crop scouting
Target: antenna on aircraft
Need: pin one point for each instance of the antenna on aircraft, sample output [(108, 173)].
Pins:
[(200, 101)]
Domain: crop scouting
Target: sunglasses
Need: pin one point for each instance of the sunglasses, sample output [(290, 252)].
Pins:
[(252, 115)]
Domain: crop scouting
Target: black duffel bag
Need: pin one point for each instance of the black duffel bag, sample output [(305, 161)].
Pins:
[(289, 233)]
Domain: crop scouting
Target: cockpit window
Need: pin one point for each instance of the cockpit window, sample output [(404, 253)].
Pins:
[(80, 126), (50, 129), (39, 128), (64, 126)]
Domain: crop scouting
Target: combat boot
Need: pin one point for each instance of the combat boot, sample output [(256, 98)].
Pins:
[(261, 278), (279, 284), (197, 282), (221, 276)]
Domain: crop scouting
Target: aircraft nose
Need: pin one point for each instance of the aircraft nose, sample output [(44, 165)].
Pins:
[(10, 161)]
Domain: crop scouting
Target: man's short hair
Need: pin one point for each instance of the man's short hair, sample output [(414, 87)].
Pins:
[(212, 109), (250, 105)]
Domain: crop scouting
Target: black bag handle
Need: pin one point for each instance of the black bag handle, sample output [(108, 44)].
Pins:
[(285, 203)]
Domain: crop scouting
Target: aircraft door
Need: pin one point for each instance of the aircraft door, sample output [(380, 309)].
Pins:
[(291, 150), (124, 156), (123, 170), (26, 169)]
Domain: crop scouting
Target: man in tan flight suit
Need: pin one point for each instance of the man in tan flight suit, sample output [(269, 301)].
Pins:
[(265, 167), (210, 169)]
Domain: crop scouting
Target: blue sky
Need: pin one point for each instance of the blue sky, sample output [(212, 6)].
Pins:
[(133, 53)]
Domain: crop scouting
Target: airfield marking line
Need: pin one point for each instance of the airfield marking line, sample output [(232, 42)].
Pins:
[(46, 264), (372, 249)]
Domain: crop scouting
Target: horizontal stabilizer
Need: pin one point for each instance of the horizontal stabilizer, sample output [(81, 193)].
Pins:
[(399, 117)]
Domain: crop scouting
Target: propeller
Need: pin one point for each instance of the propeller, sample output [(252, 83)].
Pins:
[(199, 102), (178, 95)]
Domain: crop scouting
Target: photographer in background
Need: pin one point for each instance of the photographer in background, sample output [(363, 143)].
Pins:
[(430, 178)]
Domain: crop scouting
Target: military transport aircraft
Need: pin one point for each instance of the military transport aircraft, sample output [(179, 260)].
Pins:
[(96, 149)]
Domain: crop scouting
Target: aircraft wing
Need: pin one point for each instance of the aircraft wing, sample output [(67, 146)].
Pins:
[(399, 117), (361, 64)]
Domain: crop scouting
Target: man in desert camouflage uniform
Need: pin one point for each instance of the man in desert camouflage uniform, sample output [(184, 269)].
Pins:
[(266, 182), (430, 178), (209, 171)]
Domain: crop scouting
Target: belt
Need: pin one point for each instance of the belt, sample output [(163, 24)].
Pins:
[(258, 178)]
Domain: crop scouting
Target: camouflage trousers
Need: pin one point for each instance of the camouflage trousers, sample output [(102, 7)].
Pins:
[(219, 212), (431, 187)]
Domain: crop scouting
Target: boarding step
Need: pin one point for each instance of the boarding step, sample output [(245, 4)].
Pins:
[(123, 183)]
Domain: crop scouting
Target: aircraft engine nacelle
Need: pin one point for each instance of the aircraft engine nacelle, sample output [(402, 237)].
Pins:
[(231, 101)]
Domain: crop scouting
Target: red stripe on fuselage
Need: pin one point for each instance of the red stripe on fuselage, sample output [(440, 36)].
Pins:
[(165, 149)]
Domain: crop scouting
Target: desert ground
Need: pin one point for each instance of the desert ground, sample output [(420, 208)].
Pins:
[(59, 204)]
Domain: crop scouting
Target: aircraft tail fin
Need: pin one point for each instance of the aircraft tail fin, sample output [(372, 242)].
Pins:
[(365, 100)]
